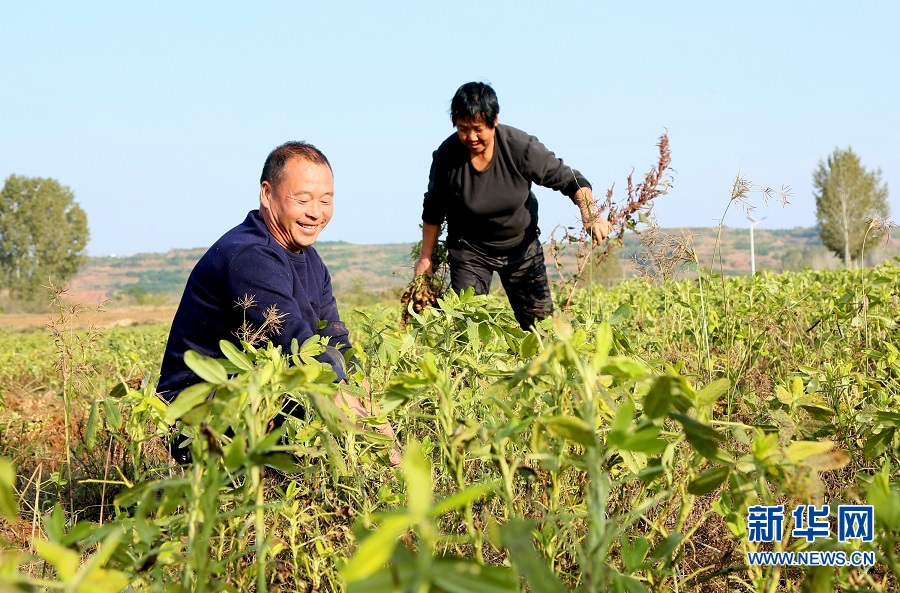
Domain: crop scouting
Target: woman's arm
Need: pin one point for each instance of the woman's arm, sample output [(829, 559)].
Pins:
[(430, 234)]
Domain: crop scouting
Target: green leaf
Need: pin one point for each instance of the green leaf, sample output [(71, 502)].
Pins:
[(797, 387), (818, 579), (623, 583), (55, 523), (888, 418), (659, 398), (634, 551), (376, 549), (665, 549), (113, 414), (572, 428), (708, 480), (234, 354), (64, 560), (784, 396), (668, 392), (419, 487), (208, 369), (236, 452), (472, 332), (335, 454), (467, 576), (93, 577), (602, 344), (701, 436), (8, 500), (529, 345), (619, 315), (283, 462), (818, 412), (621, 422), (399, 578), (885, 500), (187, 400), (645, 440), (878, 443), (712, 392), (120, 390), (135, 494), (80, 533), (800, 450), (624, 368), (516, 537), (92, 427), (462, 498)]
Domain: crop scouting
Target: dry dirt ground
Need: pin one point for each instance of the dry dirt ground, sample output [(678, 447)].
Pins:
[(110, 317)]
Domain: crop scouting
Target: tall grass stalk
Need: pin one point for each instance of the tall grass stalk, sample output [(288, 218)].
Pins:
[(73, 352)]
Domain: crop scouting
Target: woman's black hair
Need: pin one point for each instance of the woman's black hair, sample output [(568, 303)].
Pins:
[(473, 100)]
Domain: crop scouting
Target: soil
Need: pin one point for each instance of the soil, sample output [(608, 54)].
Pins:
[(111, 317)]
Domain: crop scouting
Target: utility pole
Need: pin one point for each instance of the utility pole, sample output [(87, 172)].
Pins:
[(753, 223)]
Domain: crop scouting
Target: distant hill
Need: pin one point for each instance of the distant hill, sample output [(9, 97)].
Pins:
[(378, 268), (382, 268)]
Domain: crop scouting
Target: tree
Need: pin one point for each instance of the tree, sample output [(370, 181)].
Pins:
[(43, 235), (847, 198)]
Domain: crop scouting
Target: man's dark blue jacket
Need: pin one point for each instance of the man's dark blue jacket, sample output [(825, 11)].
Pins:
[(248, 262)]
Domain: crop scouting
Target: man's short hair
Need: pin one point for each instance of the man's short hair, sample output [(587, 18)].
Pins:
[(273, 169), (473, 100)]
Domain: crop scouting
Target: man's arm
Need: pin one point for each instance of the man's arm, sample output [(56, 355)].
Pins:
[(338, 336), (359, 409), (265, 276)]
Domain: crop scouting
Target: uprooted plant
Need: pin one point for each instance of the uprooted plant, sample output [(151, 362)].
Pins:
[(424, 290), (622, 217)]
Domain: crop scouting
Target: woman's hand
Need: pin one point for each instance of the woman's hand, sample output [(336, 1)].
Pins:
[(594, 224), (424, 266), (597, 227)]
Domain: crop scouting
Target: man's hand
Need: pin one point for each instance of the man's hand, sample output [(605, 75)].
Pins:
[(395, 456), (424, 266), (342, 398)]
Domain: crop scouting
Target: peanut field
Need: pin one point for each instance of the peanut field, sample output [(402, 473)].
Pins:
[(616, 448)]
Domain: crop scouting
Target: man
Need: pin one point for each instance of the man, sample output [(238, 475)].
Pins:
[(268, 260), (480, 182)]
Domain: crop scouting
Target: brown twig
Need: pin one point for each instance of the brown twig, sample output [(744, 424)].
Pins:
[(623, 217)]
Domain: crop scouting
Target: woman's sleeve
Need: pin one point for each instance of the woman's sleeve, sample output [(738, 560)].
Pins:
[(434, 207), (545, 169)]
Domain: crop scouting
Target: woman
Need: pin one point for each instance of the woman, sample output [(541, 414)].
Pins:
[(480, 183)]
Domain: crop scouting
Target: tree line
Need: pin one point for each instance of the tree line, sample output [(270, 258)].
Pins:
[(44, 232), (43, 236)]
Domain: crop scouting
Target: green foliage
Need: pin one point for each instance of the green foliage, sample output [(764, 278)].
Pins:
[(847, 199), (616, 448), (43, 235)]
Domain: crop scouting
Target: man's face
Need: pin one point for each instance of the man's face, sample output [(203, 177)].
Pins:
[(299, 206), (475, 134)]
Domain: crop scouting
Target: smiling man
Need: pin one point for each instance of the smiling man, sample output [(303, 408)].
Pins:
[(267, 263)]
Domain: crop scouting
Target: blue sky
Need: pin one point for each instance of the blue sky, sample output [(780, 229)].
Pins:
[(159, 115)]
